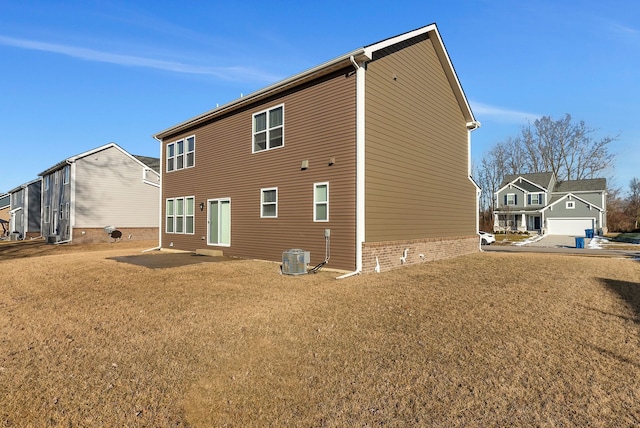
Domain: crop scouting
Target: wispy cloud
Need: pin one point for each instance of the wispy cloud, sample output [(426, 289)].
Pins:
[(501, 114), (234, 73)]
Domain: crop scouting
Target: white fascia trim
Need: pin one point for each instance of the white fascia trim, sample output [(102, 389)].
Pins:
[(280, 86), (532, 183), (576, 198), (507, 186)]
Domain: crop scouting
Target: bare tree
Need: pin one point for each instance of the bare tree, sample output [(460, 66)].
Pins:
[(633, 202), (566, 148)]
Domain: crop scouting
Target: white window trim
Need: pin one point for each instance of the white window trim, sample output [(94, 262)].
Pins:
[(187, 151), (184, 154), (184, 215), (66, 173), (253, 129), (263, 203), (539, 198), (511, 196), (316, 203), (571, 205), (209, 225)]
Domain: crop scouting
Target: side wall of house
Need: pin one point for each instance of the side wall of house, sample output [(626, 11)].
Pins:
[(33, 206), (56, 194), (319, 127), (18, 204), (109, 191), (417, 154)]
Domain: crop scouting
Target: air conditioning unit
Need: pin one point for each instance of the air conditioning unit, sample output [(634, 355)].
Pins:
[(294, 262)]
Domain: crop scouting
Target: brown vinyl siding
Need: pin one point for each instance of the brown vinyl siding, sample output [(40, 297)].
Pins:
[(319, 124), (417, 183)]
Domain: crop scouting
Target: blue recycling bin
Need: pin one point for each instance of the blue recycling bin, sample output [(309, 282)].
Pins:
[(579, 242), (588, 233)]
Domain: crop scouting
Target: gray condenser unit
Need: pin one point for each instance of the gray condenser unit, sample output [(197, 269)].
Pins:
[(294, 262)]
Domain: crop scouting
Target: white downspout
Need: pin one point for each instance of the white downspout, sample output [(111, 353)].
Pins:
[(472, 126), (360, 169), (159, 202)]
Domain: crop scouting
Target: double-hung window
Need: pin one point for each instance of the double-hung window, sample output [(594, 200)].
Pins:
[(65, 172), (269, 202), (181, 154), (535, 199), (321, 202), (268, 129), (510, 199), (180, 214)]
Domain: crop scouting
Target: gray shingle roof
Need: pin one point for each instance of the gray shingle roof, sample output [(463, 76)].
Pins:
[(581, 185), (153, 163), (539, 178)]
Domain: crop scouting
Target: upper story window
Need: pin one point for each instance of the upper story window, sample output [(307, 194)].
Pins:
[(571, 205), (46, 182), (181, 154), (535, 199), (510, 199), (269, 202), (65, 177), (268, 129), (321, 202)]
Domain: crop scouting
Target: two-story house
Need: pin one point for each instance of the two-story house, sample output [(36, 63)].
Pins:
[(538, 202), (5, 206), (364, 160), (24, 213), (105, 186)]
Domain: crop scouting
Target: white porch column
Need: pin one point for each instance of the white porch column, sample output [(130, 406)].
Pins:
[(524, 221)]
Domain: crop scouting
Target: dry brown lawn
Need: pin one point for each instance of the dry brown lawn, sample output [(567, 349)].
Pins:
[(485, 340)]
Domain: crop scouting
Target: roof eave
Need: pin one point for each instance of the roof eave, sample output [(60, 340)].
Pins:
[(358, 55)]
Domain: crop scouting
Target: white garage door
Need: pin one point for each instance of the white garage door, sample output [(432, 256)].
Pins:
[(569, 226)]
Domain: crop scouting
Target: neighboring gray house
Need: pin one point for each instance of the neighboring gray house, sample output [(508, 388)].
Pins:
[(24, 212), (538, 202), (105, 186), (5, 204)]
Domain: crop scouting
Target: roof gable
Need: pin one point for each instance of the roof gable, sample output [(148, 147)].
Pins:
[(570, 196), (539, 179), (353, 58), (73, 159), (24, 186)]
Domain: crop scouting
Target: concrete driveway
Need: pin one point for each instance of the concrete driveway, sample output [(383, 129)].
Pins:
[(558, 241)]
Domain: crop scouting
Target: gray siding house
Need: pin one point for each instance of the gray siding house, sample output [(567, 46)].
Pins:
[(5, 204), (24, 213), (538, 202), (105, 186)]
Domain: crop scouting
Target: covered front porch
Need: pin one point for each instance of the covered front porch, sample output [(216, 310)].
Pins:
[(517, 222)]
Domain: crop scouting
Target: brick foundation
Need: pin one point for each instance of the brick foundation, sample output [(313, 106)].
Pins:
[(82, 235), (390, 253)]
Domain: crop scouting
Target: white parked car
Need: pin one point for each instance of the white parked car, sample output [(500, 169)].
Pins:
[(487, 238)]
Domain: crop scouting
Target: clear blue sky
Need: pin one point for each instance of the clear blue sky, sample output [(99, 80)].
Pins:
[(80, 74)]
